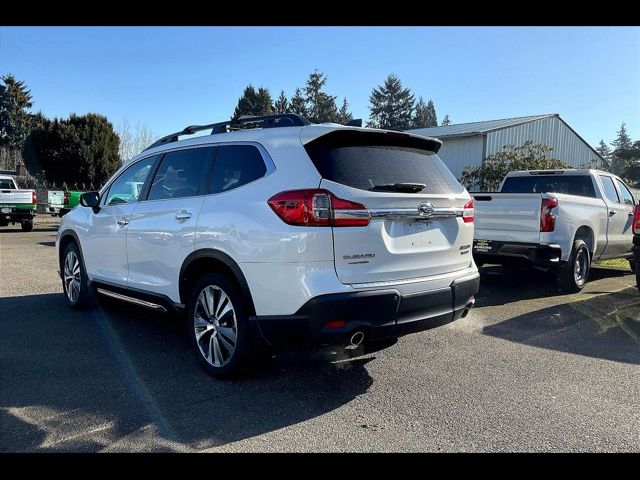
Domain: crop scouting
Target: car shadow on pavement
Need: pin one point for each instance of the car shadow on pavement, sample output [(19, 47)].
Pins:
[(500, 285), (106, 377), (605, 326)]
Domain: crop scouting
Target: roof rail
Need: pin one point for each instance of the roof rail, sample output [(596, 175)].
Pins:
[(266, 121)]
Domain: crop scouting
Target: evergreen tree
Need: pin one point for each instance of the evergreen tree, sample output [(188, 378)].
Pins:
[(247, 103), (623, 140), (265, 104), (420, 115), (619, 157), (344, 115), (605, 152), (391, 105), (321, 107), (432, 119), (298, 104), (15, 100), (282, 104), (445, 120)]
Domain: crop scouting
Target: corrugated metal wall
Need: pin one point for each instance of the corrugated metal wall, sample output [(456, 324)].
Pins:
[(567, 146), (460, 152)]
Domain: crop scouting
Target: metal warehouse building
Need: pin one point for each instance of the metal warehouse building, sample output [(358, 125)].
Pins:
[(470, 143)]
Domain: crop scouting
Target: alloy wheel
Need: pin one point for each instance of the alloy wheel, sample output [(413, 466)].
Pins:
[(215, 326), (72, 276)]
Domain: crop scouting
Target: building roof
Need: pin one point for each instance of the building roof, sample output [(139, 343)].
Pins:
[(476, 128)]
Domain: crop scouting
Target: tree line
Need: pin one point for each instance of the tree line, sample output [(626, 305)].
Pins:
[(623, 157), (77, 149), (391, 105)]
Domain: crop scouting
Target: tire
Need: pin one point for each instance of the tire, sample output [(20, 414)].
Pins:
[(27, 225), (223, 352), (573, 277), (4, 224), (74, 279)]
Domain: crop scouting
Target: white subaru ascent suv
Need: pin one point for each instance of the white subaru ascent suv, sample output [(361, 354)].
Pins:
[(284, 232)]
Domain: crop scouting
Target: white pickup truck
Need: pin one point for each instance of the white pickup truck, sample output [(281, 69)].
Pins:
[(557, 219), (16, 206)]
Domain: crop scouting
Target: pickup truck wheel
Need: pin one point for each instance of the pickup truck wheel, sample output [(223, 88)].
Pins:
[(572, 275), (218, 326), (27, 225), (74, 278)]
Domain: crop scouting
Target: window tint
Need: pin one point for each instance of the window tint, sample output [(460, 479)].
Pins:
[(609, 189), (374, 161), (627, 198), (181, 174), (236, 165), (128, 186), (581, 185), (6, 184)]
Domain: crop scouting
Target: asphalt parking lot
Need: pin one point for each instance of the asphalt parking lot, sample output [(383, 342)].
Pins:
[(527, 370)]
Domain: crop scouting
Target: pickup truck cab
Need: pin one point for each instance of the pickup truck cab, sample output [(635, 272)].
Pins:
[(556, 219), (16, 205)]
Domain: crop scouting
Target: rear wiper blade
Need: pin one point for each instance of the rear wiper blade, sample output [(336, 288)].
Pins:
[(399, 187)]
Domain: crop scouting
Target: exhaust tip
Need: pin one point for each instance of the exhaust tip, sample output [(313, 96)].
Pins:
[(355, 340), (468, 308)]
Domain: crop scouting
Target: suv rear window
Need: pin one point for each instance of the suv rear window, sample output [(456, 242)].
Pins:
[(371, 161), (580, 185)]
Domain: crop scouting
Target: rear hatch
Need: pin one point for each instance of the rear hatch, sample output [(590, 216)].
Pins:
[(395, 176)]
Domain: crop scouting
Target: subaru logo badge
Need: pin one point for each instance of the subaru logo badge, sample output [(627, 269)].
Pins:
[(425, 209)]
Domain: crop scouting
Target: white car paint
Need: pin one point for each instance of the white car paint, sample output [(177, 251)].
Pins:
[(515, 217), (284, 265)]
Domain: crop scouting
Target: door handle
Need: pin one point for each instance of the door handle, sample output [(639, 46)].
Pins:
[(123, 222), (612, 213), (183, 215)]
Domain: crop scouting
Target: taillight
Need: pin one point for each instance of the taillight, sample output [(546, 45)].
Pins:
[(34, 198), (467, 213), (318, 208), (636, 220), (547, 220), (66, 198)]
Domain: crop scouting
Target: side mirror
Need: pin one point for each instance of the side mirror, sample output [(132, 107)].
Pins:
[(90, 199)]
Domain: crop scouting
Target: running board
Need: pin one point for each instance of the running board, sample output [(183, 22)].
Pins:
[(136, 301)]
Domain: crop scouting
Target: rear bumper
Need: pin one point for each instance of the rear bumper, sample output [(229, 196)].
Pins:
[(502, 252), (379, 314), (18, 214)]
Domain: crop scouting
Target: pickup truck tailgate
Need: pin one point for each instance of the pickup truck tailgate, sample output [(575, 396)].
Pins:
[(508, 217), (15, 197)]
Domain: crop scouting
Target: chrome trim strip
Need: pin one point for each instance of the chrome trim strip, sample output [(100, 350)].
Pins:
[(137, 301), (414, 213)]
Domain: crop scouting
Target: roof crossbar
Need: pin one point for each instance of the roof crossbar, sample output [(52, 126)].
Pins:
[(266, 121)]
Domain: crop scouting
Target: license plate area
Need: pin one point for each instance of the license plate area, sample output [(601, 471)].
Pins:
[(6, 210)]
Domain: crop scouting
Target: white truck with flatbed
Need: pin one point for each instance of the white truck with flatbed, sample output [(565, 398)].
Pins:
[(16, 205), (562, 220)]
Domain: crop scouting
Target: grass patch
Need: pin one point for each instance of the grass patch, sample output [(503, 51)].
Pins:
[(619, 263)]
